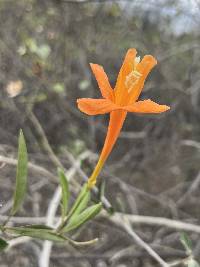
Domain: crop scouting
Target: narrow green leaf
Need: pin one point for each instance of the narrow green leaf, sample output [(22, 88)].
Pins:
[(65, 192), (82, 205), (84, 191), (3, 244), (83, 217), (43, 234), (186, 243), (81, 197), (110, 210), (39, 227), (21, 177)]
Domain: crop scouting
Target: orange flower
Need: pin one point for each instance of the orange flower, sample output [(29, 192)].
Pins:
[(119, 101)]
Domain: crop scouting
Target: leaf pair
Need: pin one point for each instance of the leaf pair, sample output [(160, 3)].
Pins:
[(79, 213), (80, 219)]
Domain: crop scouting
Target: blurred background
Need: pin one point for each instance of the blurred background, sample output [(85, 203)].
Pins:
[(45, 50)]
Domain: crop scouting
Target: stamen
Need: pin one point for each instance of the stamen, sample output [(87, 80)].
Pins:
[(133, 76), (132, 79), (137, 60)]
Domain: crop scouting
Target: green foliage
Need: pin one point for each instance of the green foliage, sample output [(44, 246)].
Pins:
[(186, 243), (79, 199), (79, 208), (21, 177), (42, 233), (42, 51), (65, 192), (59, 88), (83, 217), (77, 216), (83, 203), (41, 97), (3, 244), (80, 213)]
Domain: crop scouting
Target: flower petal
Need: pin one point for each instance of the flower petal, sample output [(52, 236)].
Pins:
[(102, 80), (144, 67), (92, 106), (127, 67), (146, 106)]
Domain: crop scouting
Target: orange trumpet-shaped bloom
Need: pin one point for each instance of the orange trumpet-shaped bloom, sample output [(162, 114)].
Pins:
[(119, 101)]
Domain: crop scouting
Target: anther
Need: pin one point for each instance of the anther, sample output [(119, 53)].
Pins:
[(132, 79)]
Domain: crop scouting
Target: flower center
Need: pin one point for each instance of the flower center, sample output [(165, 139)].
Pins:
[(133, 77)]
